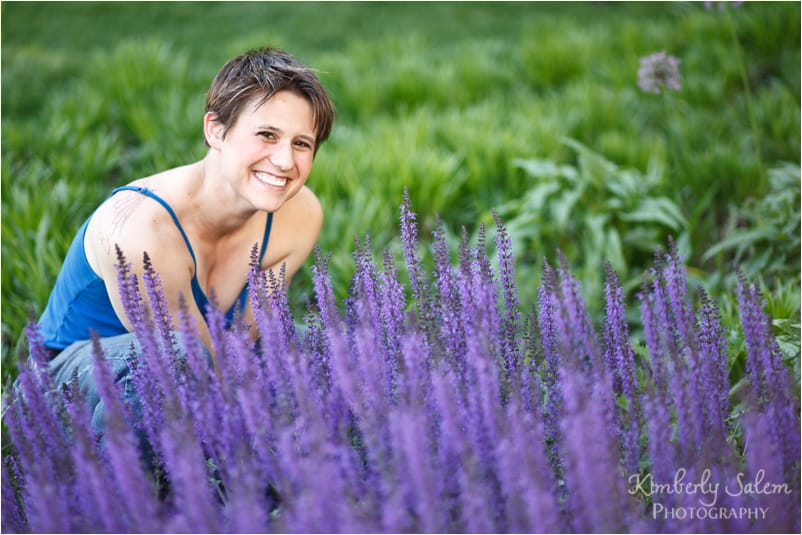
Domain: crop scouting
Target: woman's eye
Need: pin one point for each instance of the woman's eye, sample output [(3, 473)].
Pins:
[(267, 135), (304, 144)]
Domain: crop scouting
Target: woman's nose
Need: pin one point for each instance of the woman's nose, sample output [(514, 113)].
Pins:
[(282, 157)]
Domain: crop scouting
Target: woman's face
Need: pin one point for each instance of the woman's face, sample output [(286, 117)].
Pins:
[(267, 153)]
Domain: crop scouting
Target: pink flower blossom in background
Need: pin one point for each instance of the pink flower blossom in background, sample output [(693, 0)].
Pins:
[(659, 70)]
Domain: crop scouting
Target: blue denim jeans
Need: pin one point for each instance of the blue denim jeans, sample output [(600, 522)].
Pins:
[(78, 359)]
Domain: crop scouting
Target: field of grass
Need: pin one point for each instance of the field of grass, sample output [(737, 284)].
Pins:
[(532, 109)]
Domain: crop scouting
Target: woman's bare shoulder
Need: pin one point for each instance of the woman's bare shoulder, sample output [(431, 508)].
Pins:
[(128, 222), (296, 228), (304, 213)]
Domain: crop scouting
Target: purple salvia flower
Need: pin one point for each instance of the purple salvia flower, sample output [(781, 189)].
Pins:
[(225, 442), (122, 454), (475, 499), (308, 402), (158, 307), (771, 387), (409, 239), (315, 346), (509, 325), (364, 288), (464, 252), (273, 345), (676, 291), (730, 474), (245, 505), (216, 322), (529, 380), (447, 305), (129, 289), (410, 431), (13, 519), (578, 339), (591, 468), (166, 362), (259, 427), (652, 331), (547, 324), (393, 305), (43, 423), (464, 280), (618, 352), (362, 395), (483, 385), (188, 476), (147, 366), (274, 348), (713, 349), (680, 354), (395, 517), (659, 71), (149, 394), (415, 382), (552, 362), (36, 429), (661, 451), (376, 393), (196, 356), (373, 425), (239, 355), (98, 509), (661, 339), (754, 336), (324, 292), (454, 451), (277, 296), (527, 485), (38, 354), (620, 360), (765, 466), (199, 395), (310, 481), (480, 255)]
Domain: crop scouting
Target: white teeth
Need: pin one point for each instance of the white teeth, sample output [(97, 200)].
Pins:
[(267, 178)]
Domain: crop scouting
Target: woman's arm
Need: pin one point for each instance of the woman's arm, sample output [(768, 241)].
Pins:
[(136, 227)]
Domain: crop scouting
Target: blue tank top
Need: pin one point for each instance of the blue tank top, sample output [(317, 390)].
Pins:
[(79, 300)]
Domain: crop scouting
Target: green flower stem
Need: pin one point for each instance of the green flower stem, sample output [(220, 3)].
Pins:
[(745, 81)]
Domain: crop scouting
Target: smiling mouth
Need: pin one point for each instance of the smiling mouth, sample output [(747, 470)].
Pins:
[(270, 180)]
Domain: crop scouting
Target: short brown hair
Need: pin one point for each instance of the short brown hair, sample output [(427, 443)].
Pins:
[(261, 73)]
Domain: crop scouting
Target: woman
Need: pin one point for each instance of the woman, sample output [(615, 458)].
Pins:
[(266, 117)]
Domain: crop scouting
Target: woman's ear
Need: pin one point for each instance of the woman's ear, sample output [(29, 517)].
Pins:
[(213, 130)]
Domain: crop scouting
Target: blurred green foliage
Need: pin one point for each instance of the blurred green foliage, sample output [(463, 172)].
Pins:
[(468, 105), (593, 212)]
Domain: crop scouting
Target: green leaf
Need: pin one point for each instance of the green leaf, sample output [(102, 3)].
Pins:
[(563, 206), (538, 168), (657, 210), (593, 166), (740, 240)]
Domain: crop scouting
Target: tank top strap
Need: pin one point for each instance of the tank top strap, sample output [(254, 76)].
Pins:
[(148, 193), (268, 225), (197, 292)]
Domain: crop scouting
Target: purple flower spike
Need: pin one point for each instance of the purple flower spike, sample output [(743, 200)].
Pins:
[(658, 71), (427, 405)]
